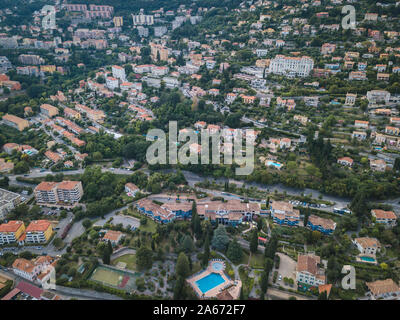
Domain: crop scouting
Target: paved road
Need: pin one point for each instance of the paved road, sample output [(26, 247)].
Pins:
[(84, 294)]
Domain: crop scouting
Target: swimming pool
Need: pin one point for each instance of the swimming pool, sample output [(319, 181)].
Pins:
[(368, 259), (275, 164), (209, 282), (217, 266)]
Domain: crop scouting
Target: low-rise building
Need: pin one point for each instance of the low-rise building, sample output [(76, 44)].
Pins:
[(131, 189), (387, 218), (367, 245), (384, 290), (283, 213), (15, 122), (326, 226), (309, 272)]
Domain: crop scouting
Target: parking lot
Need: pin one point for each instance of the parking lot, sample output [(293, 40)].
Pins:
[(287, 269), (121, 219)]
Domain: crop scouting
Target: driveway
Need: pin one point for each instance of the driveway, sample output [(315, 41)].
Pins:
[(287, 268)]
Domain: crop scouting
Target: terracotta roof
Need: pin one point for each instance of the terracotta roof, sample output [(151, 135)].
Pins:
[(112, 235), (366, 242), (45, 186), (383, 286), (325, 223), (68, 185), (308, 263), (381, 214), (325, 287), (23, 265), (11, 226), (38, 226)]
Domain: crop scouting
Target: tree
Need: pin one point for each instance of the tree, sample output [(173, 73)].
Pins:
[(196, 225), (323, 296), (220, 239), (179, 289), (206, 254), (182, 266), (264, 282), (86, 223), (144, 258), (260, 224), (396, 165), (254, 241), (235, 252), (106, 256), (187, 244)]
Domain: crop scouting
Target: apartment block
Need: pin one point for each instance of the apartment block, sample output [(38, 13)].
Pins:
[(65, 192), (38, 231), (15, 122)]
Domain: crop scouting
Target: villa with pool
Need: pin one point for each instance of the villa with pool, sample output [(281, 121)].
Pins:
[(214, 283)]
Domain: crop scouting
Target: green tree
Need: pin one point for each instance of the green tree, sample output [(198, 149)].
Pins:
[(144, 258), (220, 239), (235, 252), (206, 254), (254, 241), (182, 265)]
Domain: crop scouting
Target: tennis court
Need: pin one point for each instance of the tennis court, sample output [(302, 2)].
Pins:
[(107, 276), (115, 278)]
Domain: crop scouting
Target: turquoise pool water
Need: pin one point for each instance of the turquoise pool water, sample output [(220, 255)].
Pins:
[(209, 282), (369, 259), (217, 266), (271, 163)]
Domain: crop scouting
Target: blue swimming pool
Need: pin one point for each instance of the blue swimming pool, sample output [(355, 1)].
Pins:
[(368, 259), (271, 163), (209, 282)]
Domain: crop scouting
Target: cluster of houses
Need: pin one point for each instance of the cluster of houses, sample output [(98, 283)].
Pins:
[(14, 232)]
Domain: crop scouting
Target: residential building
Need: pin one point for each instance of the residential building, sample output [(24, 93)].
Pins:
[(11, 232), (15, 122), (113, 236), (283, 213), (38, 231), (165, 213), (131, 189), (232, 212), (291, 66), (367, 245), (65, 192), (48, 110), (309, 272), (377, 165), (326, 226), (384, 290), (388, 218), (119, 73), (346, 161)]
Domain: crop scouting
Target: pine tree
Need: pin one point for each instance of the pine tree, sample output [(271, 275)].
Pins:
[(254, 241), (206, 253)]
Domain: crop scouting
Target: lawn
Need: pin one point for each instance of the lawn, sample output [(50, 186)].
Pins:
[(129, 259), (257, 261), (150, 226)]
